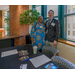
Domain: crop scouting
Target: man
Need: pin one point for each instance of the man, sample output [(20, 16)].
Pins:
[(52, 30)]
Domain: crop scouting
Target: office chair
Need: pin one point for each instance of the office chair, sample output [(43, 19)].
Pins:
[(62, 63), (49, 51)]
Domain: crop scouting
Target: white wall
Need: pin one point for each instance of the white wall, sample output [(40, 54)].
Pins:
[(67, 52), (3, 23), (30, 6), (4, 11), (30, 26)]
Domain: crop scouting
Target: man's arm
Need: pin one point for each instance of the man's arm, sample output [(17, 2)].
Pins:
[(57, 31), (46, 26)]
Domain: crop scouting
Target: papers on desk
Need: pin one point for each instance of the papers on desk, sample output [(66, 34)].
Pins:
[(23, 66), (8, 53), (40, 60)]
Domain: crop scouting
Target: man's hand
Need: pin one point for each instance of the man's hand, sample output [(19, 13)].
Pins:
[(32, 40), (55, 42)]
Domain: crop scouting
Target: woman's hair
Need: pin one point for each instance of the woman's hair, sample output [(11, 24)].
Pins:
[(43, 21), (40, 16)]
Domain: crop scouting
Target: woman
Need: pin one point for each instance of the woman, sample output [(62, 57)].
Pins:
[(38, 34)]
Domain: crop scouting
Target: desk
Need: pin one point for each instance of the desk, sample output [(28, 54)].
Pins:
[(8, 41), (13, 61)]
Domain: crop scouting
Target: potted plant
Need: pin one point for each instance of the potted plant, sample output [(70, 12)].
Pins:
[(29, 17)]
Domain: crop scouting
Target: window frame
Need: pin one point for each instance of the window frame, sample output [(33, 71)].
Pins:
[(65, 15), (45, 15), (34, 6), (61, 16)]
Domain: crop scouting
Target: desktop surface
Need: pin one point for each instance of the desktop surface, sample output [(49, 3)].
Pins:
[(13, 62)]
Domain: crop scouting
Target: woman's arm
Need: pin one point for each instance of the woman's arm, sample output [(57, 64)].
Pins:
[(32, 33)]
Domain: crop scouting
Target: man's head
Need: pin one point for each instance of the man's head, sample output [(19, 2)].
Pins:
[(51, 14)]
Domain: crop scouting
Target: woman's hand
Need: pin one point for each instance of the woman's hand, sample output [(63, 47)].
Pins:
[(32, 40)]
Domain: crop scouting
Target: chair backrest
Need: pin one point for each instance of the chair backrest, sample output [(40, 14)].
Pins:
[(62, 63), (49, 51)]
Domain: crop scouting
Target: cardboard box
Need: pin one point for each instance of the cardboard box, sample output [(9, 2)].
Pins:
[(2, 32)]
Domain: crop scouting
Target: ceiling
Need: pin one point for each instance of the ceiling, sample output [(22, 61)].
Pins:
[(4, 7)]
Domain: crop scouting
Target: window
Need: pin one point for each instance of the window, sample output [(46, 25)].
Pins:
[(38, 8), (44, 9), (68, 11), (56, 18), (68, 25), (68, 32), (73, 10), (73, 33), (66, 18), (73, 25), (6, 18), (54, 8), (69, 21)]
